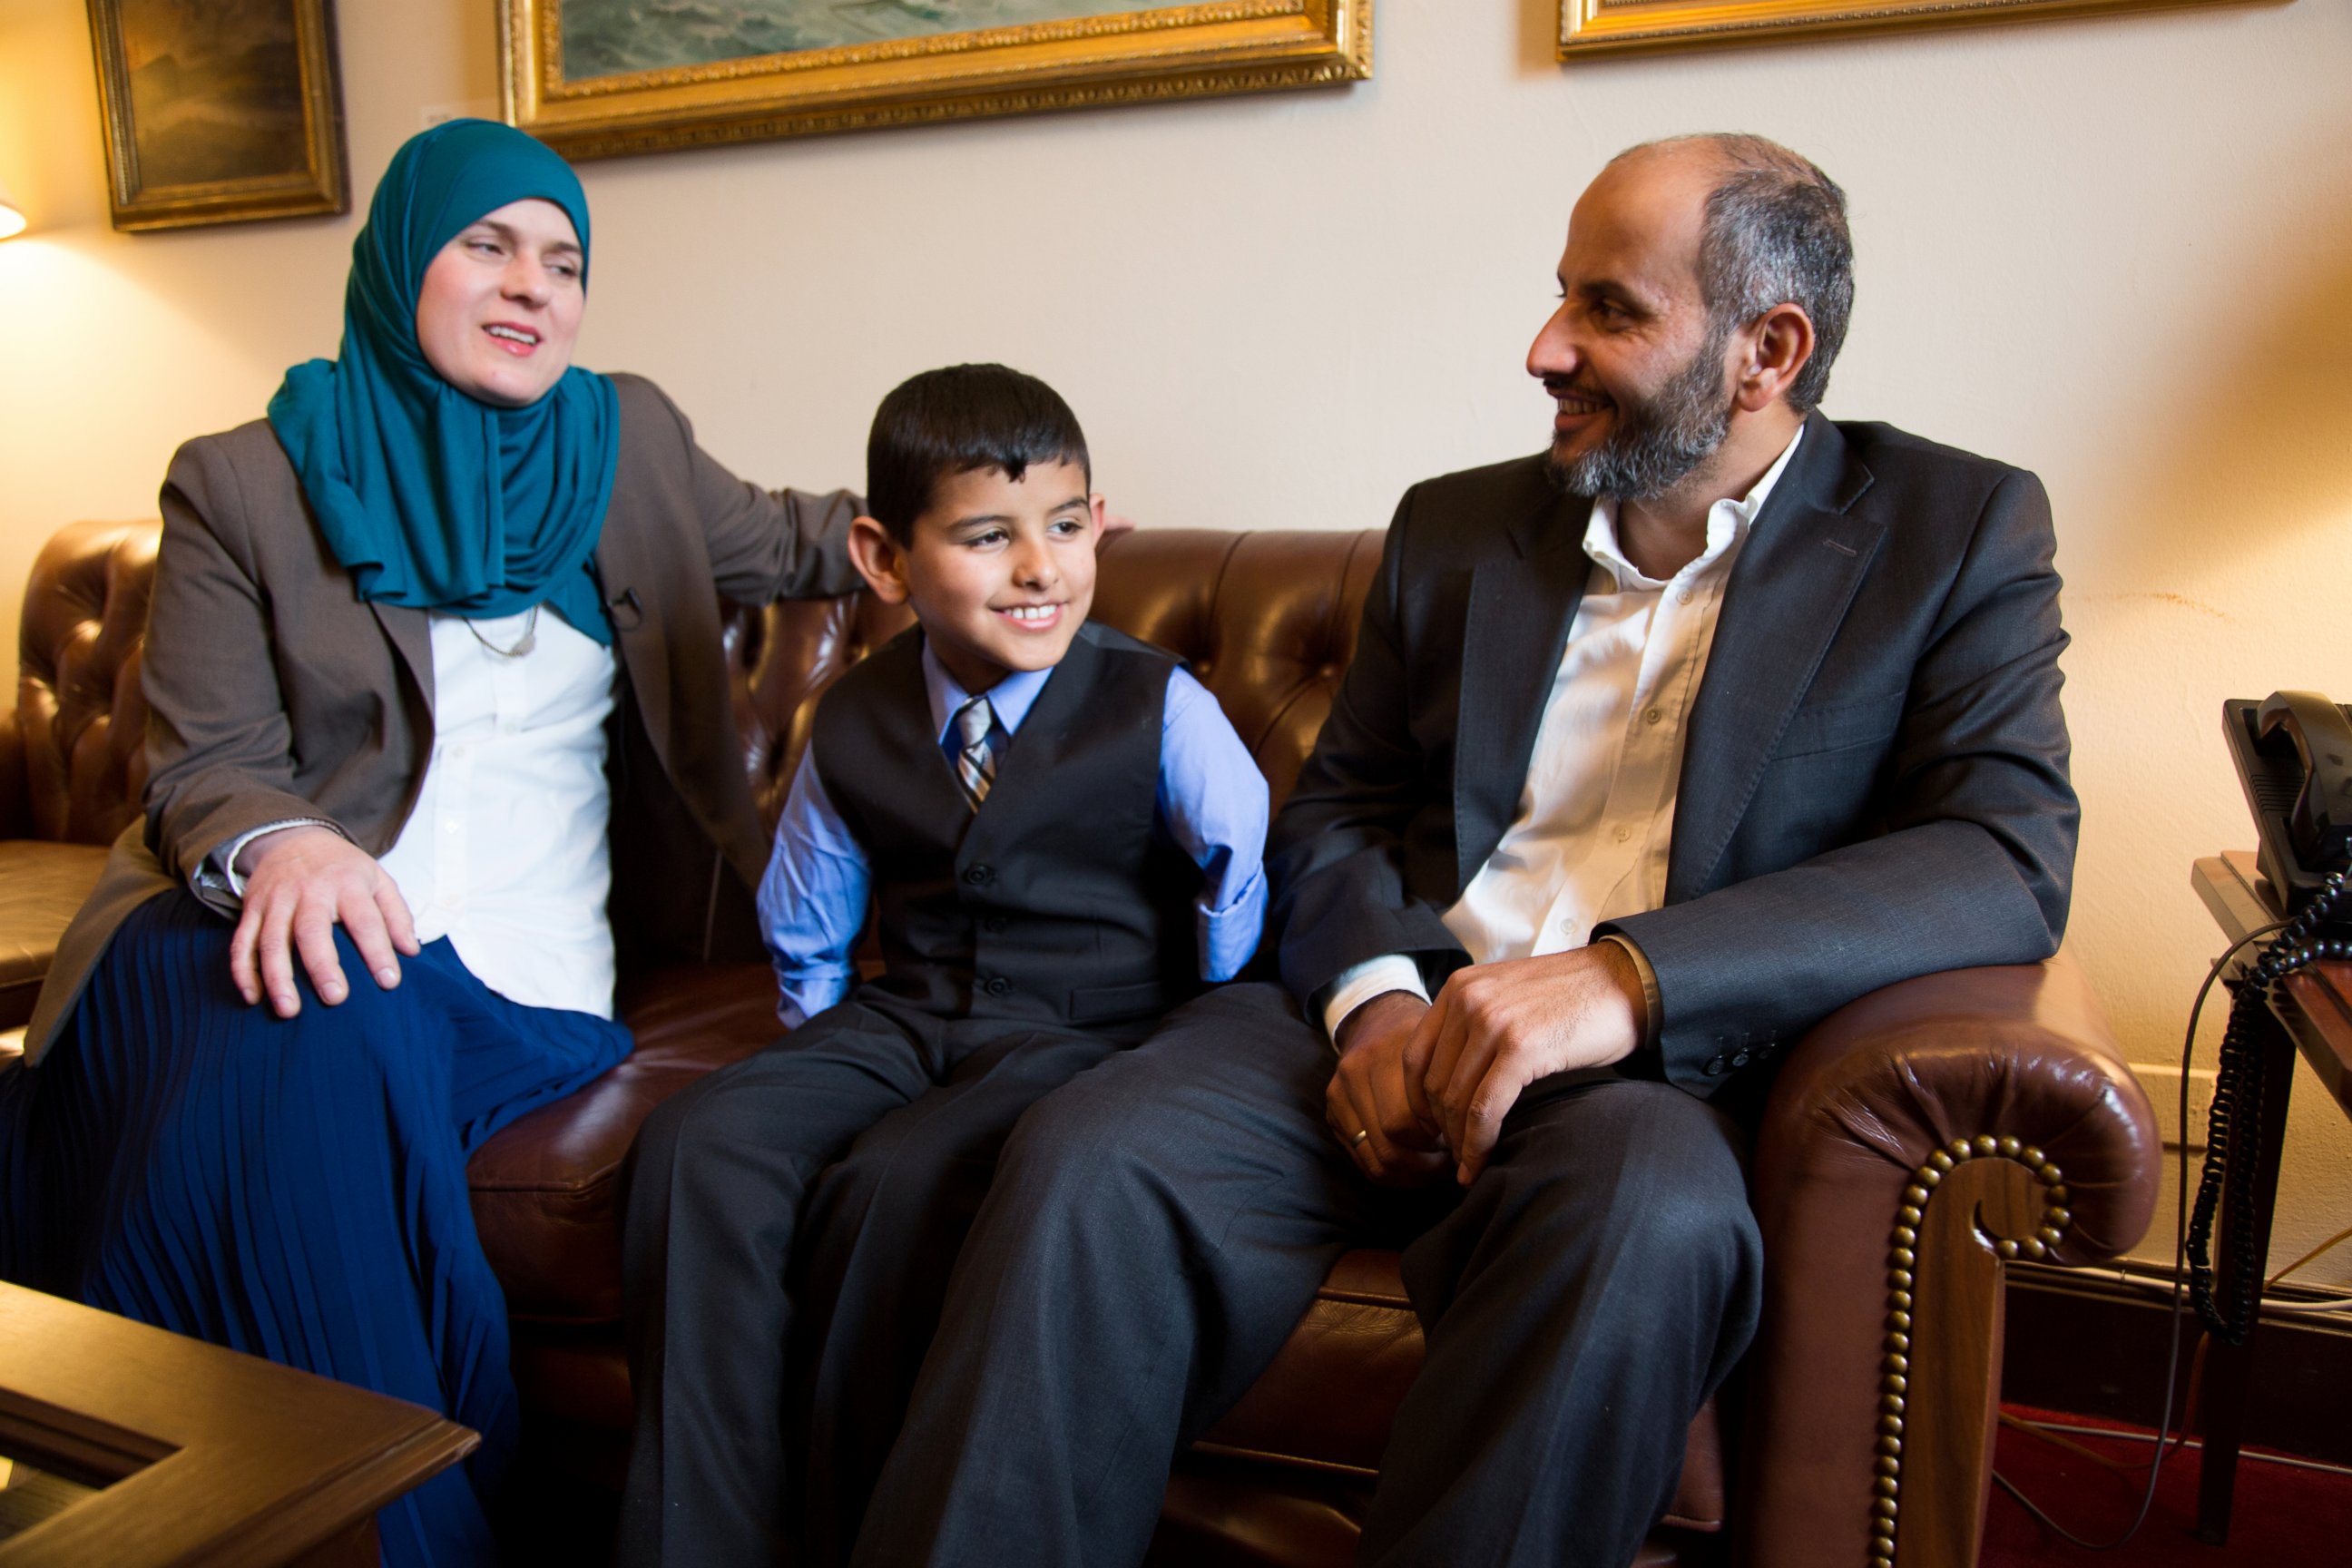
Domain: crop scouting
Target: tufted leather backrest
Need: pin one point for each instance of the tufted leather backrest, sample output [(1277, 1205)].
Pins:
[(1266, 621), (81, 720)]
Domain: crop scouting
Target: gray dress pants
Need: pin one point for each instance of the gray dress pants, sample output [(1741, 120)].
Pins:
[(791, 1225), (1156, 1229)]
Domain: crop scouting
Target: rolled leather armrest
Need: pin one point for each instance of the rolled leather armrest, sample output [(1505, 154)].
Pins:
[(16, 799), (1999, 1094)]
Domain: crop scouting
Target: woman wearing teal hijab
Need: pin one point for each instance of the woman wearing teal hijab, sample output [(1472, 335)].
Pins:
[(393, 626), (435, 488)]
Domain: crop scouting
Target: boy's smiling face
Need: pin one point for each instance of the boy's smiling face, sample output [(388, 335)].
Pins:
[(1001, 572)]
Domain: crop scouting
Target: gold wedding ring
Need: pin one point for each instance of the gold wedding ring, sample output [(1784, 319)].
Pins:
[(1356, 1142)]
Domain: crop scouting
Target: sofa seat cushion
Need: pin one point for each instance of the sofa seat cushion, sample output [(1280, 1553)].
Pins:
[(546, 1196), (41, 886), (546, 1201), (1329, 1400)]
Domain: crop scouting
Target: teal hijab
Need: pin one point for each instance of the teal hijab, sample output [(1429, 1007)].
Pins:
[(430, 497)]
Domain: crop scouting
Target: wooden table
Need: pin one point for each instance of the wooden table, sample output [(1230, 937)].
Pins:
[(2313, 1015), (168, 1450)]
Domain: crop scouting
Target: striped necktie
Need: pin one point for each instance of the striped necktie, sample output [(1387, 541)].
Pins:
[(975, 759)]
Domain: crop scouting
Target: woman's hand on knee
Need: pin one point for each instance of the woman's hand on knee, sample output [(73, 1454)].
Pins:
[(299, 884)]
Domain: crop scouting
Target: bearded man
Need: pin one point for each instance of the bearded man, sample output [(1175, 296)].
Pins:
[(1655, 750)]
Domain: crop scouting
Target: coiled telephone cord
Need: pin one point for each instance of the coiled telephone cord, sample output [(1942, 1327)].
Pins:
[(2238, 1106)]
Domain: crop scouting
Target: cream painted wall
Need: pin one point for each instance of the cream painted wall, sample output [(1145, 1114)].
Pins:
[(2118, 251)]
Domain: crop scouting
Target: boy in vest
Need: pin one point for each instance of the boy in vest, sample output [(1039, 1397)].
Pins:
[(1060, 833)]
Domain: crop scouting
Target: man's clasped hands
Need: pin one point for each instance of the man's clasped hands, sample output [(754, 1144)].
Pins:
[(1428, 1083)]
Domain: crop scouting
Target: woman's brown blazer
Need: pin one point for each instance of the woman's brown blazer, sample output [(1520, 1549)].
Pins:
[(275, 692)]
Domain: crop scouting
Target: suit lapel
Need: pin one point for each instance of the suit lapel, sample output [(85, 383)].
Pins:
[(637, 632), (411, 632), (1789, 593), (1521, 606)]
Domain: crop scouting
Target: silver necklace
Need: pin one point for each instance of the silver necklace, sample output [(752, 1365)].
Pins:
[(529, 638)]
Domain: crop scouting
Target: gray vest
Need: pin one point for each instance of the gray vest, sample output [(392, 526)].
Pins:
[(1057, 901)]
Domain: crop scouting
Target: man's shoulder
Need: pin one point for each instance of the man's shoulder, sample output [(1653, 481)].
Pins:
[(1938, 505), (1908, 464), (1453, 521), (1491, 490)]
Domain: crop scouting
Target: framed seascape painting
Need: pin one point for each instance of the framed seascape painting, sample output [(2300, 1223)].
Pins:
[(593, 77), (1593, 26), (219, 111)]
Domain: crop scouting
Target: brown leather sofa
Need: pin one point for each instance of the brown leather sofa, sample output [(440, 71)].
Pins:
[(72, 764), (1914, 1143)]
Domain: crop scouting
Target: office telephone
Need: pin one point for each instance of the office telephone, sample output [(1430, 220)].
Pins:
[(2293, 754)]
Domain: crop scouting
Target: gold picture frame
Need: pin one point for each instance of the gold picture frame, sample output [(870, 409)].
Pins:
[(1598, 27), (219, 113), (631, 89)]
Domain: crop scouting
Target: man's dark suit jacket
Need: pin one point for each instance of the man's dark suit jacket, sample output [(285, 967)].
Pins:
[(1873, 781)]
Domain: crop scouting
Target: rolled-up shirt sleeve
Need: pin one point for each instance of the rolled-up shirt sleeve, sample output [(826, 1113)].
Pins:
[(813, 899), (1213, 802)]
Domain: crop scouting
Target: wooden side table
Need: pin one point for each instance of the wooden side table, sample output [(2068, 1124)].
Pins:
[(2313, 1015), (154, 1448)]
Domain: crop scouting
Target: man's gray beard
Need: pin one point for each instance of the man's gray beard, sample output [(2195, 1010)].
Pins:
[(1660, 440)]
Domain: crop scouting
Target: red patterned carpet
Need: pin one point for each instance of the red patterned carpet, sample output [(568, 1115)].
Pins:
[(2285, 1514)]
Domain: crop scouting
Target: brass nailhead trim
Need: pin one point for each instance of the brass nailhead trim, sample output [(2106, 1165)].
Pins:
[(1895, 1361)]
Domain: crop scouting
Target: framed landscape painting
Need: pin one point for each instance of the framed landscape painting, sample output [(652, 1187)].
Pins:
[(594, 77), (1593, 26), (218, 111)]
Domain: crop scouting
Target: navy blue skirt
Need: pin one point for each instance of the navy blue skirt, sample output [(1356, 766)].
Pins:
[(294, 1188)]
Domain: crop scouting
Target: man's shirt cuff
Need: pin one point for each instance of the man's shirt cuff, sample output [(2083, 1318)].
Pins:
[(1653, 1011), (1359, 982)]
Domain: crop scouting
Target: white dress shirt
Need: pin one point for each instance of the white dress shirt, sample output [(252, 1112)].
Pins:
[(507, 853), (1595, 821)]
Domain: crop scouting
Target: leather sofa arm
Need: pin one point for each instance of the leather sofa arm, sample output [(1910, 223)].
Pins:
[(1916, 1140), (16, 798)]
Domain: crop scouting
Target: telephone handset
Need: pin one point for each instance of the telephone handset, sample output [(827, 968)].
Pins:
[(2294, 752)]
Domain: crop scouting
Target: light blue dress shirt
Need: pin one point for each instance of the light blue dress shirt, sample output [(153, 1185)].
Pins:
[(1211, 804)]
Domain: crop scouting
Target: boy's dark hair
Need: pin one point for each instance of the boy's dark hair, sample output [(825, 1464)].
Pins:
[(953, 421)]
